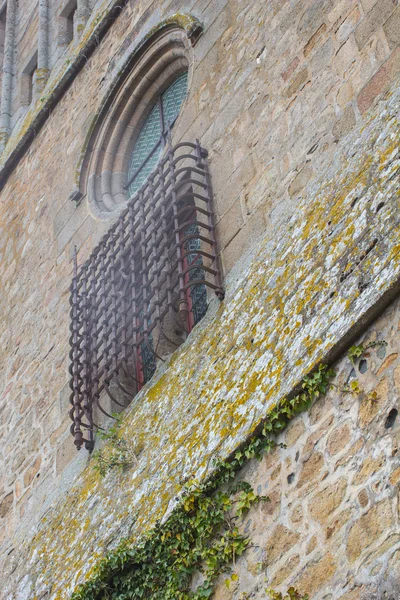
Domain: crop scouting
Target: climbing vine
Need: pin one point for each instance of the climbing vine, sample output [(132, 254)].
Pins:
[(355, 352), (202, 534), (291, 594)]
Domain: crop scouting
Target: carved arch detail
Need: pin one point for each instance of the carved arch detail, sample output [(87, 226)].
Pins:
[(162, 55)]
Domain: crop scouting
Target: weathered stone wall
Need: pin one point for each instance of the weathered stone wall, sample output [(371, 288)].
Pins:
[(251, 352), (283, 94), (331, 527)]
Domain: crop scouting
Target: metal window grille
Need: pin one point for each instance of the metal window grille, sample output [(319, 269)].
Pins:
[(151, 269)]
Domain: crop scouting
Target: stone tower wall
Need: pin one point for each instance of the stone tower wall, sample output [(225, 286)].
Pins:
[(296, 103)]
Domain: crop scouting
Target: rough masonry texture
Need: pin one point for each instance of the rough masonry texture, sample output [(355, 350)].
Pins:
[(297, 103)]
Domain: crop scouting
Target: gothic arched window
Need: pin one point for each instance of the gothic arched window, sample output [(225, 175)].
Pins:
[(152, 136), (144, 286)]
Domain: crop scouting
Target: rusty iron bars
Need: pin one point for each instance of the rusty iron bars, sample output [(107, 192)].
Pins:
[(142, 289)]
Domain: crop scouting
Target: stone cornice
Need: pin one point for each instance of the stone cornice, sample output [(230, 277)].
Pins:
[(20, 141)]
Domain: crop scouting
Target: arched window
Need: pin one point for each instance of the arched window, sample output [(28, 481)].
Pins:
[(144, 286), (151, 139)]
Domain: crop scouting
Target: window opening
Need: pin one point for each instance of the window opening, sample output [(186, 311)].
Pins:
[(152, 137), (27, 81), (67, 19)]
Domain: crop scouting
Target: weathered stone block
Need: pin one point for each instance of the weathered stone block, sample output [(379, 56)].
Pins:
[(315, 40), (326, 502), (392, 29), (294, 432), (32, 471), (345, 124), (311, 469), (348, 25), (290, 68), (6, 504), (301, 180), (368, 529), (317, 574), (313, 17), (282, 541), (298, 82), (338, 439), (372, 404), (345, 56), (376, 17)]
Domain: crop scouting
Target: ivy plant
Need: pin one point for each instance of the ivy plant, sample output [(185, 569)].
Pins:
[(202, 535), (291, 594)]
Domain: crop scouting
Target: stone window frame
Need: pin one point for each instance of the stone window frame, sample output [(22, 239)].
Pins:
[(162, 57), (27, 83), (66, 22)]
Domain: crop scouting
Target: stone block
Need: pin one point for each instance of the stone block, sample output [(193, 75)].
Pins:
[(281, 541), (363, 498), (317, 436), (300, 180), (368, 529), (298, 83), (65, 454), (290, 69), (253, 228), (391, 29), (322, 58), (316, 574), (345, 94), (32, 471), (297, 514), (6, 504), (315, 40), (273, 506), (64, 215), (286, 571), (345, 56), (338, 439), (395, 477), (326, 502), (233, 216), (348, 25), (294, 432), (368, 5), (66, 231), (214, 34), (316, 14), (311, 469), (230, 184), (345, 123), (320, 409), (374, 88), (371, 405), (389, 360), (312, 544), (376, 17), (369, 467)]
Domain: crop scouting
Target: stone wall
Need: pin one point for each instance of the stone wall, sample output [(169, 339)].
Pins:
[(296, 103), (332, 525)]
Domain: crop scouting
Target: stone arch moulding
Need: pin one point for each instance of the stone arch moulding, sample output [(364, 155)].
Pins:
[(162, 54)]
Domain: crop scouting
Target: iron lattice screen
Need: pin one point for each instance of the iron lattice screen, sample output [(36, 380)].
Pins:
[(143, 283)]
